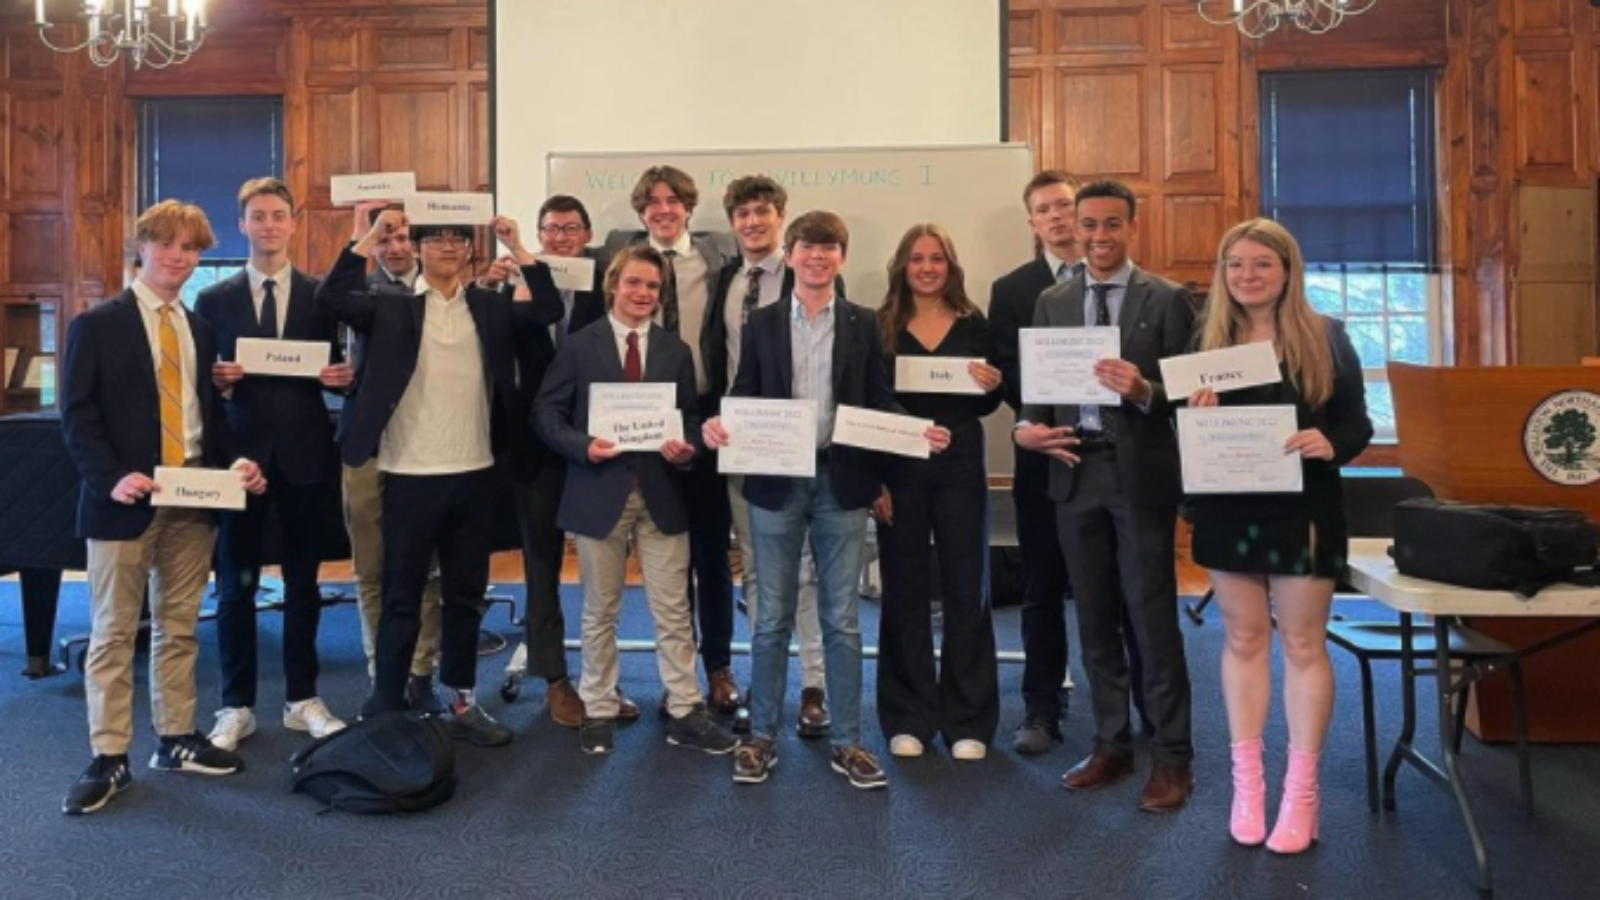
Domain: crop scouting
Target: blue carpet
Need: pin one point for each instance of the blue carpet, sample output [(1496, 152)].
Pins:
[(540, 819)]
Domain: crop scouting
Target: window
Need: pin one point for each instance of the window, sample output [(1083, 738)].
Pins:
[(199, 150), (1347, 165)]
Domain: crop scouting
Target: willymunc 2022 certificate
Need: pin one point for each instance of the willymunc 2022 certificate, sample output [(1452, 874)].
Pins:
[(1238, 450), (769, 437)]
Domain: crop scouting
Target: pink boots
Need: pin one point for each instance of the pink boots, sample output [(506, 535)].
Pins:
[(1297, 815), (1248, 820)]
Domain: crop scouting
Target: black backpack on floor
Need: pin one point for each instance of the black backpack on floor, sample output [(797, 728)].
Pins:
[(1493, 547), (388, 763)]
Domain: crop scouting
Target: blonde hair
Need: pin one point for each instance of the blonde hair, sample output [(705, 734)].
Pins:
[(1302, 336), (899, 302), (169, 218)]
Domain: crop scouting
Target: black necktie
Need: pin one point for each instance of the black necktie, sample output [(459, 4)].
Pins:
[(269, 308), (752, 294), (1102, 309), (669, 295)]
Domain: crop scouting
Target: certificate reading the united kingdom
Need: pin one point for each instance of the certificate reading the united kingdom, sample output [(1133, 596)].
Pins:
[(769, 437), (635, 416), (1238, 450), (198, 488), (1058, 365)]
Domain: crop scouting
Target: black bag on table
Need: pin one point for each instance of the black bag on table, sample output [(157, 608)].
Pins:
[(388, 763), (1502, 548)]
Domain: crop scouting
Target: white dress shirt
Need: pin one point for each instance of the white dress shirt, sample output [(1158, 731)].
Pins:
[(280, 293)]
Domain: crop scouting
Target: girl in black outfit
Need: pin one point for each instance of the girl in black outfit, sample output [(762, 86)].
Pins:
[(927, 313), (1279, 552)]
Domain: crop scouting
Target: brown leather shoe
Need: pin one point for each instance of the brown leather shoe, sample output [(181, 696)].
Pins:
[(1168, 789), (723, 693), (627, 710), (814, 718), (1097, 771), (566, 707)]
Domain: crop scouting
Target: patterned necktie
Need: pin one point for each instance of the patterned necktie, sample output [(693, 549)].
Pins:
[(632, 369), (169, 378), (269, 308), (669, 295), (752, 294), (1102, 308)]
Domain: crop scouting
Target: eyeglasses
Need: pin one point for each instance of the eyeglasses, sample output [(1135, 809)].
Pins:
[(571, 229), (451, 241)]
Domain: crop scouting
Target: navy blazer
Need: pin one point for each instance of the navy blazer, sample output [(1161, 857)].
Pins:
[(860, 378), (534, 355), (1156, 320), (358, 355), (111, 412), (390, 321), (594, 496), (716, 250), (1011, 305), (276, 420)]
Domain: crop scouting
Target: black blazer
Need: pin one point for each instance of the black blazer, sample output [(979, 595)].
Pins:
[(1156, 320), (1011, 304), (281, 420), (594, 495), (714, 346), (390, 321), (529, 454), (860, 378), (111, 412)]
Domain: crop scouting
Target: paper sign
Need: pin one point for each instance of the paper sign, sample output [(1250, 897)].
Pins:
[(1238, 450), (935, 375), (198, 488), (881, 431), (571, 273), (769, 437), (348, 190), (635, 416), (449, 209), (1228, 369), (297, 359), (1058, 364)]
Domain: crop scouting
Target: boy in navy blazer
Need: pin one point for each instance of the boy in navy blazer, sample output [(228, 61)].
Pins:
[(283, 424), (612, 497), (137, 394)]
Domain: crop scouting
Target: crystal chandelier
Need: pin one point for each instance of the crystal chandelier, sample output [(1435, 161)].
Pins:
[(154, 33), (1257, 18)]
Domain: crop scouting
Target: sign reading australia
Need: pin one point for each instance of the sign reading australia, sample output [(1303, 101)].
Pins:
[(1560, 436)]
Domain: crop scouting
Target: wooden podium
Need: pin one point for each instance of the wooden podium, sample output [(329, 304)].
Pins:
[(1461, 432)]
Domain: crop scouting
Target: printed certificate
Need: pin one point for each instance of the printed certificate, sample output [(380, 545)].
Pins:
[(635, 416), (1058, 365), (769, 437), (1238, 450)]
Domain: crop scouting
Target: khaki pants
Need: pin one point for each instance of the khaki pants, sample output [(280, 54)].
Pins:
[(807, 627), (602, 564), (172, 558), (363, 519)]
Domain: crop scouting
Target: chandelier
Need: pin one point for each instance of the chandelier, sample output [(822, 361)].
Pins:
[(1258, 18), (154, 33)]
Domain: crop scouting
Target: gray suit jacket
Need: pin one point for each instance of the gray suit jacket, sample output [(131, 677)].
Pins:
[(1156, 319), (594, 495)]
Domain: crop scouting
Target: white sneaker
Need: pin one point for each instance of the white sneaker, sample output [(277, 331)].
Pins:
[(905, 746), (969, 750), (234, 724), (311, 715)]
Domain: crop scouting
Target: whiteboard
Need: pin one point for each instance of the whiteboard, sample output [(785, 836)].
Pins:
[(973, 191)]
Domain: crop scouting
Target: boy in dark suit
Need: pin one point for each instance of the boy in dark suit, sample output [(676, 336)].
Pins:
[(283, 424), (136, 394), (613, 497)]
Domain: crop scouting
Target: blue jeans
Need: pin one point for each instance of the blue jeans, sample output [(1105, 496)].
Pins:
[(837, 536)]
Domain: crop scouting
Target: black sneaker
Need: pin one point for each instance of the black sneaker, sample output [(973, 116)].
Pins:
[(1035, 735), (477, 727), (105, 778), (753, 760), (860, 767), (421, 696), (195, 753), (594, 736), (698, 729)]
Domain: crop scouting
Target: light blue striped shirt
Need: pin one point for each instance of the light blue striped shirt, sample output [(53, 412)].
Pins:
[(811, 349)]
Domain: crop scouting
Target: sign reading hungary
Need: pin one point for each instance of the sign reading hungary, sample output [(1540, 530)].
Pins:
[(1560, 436)]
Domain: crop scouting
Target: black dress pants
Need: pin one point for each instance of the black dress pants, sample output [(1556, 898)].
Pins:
[(1045, 587), (710, 579), (543, 545)]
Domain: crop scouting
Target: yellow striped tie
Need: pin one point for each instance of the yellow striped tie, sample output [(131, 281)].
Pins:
[(170, 378)]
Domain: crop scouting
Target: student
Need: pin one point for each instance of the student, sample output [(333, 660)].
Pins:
[(283, 424), (817, 347), (438, 392), (136, 394), (1115, 480), (613, 498)]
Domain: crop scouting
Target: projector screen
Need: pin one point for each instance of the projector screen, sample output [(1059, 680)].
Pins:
[(648, 75)]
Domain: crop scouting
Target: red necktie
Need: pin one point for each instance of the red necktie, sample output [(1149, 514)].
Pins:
[(631, 368)]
